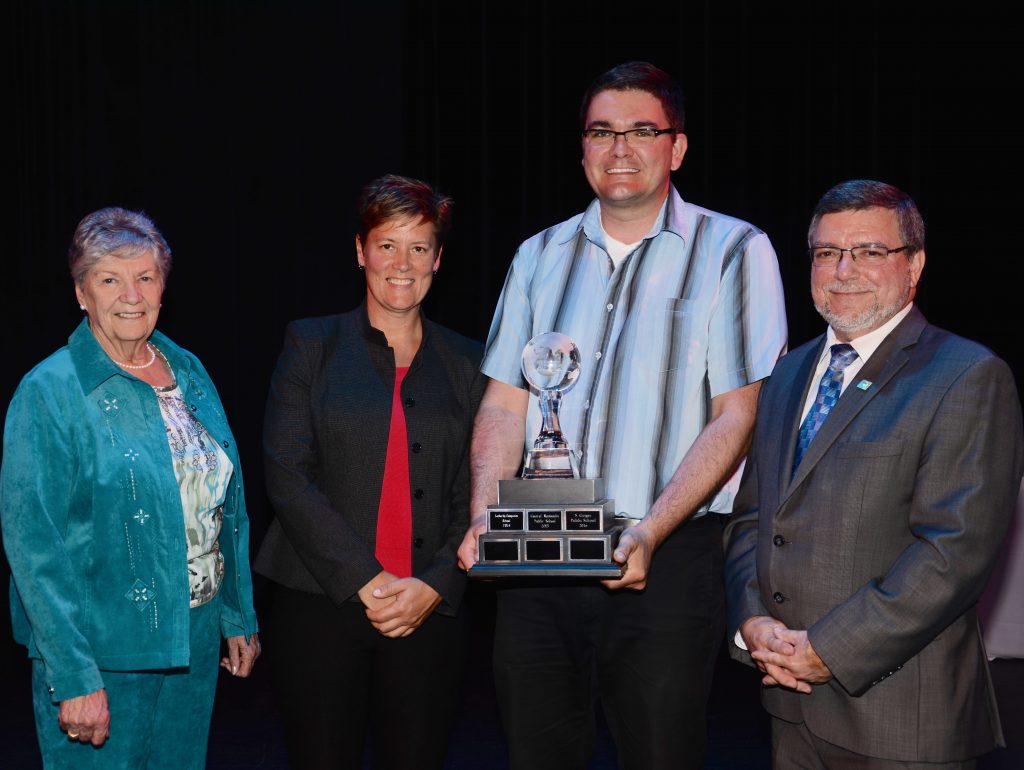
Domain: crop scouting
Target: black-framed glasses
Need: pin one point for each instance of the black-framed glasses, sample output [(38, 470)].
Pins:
[(865, 255), (602, 137)]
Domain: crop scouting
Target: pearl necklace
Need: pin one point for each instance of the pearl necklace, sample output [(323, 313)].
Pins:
[(149, 363)]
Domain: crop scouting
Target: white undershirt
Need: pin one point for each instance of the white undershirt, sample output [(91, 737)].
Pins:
[(617, 250)]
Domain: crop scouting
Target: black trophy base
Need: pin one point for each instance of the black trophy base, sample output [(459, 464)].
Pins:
[(597, 571), (549, 527)]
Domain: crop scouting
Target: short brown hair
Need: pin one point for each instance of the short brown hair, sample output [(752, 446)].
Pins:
[(640, 76), (400, 197)]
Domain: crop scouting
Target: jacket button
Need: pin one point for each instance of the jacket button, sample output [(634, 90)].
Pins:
[(416, 447), (418, 542), (410, 401), (779, 540), (778, 597), (193, 407), (226, 444), (418, 494)]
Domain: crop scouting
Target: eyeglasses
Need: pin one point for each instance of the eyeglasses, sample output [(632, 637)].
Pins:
[(603, 137), (865, 255)]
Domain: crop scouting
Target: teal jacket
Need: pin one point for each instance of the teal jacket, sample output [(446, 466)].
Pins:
[(92, 519)]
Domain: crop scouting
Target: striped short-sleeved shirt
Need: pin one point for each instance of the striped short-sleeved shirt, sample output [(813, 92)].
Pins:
[(694, 311)]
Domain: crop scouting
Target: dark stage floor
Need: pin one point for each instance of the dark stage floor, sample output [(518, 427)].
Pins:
[(246, 732)]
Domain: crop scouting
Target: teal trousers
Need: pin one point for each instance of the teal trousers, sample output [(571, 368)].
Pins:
[(159, 720)]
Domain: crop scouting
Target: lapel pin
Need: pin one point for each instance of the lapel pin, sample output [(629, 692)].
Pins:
[(864, 384)]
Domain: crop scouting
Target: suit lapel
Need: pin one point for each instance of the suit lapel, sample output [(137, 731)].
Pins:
[(787, 429), (885, 362)]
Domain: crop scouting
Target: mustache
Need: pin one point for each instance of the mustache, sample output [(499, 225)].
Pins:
[(841, 286)]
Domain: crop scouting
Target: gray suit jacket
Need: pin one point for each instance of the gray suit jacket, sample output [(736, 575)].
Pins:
[(882, 541)]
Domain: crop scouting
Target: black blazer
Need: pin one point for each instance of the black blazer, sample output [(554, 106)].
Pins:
[(325, 439)]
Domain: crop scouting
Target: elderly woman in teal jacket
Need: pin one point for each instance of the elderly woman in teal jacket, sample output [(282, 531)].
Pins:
[(124, 522)]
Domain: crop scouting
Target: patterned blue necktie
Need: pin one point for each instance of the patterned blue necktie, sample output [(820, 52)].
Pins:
[(828, 393)]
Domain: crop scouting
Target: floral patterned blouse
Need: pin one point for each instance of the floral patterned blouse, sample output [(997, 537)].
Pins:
[(203, 471)]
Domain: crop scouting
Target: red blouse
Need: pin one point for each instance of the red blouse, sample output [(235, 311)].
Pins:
[(394, 516)]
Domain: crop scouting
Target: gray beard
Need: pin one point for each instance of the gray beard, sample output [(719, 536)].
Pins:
[(872, 317)]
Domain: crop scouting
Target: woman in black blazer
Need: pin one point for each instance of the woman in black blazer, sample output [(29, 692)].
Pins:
[(366, 443)]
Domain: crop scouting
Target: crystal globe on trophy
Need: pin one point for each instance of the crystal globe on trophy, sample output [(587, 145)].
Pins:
[(551, 364), (550, 522)]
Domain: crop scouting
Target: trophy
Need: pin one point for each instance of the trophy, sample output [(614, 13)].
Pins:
[(550, 521), (551, 364)]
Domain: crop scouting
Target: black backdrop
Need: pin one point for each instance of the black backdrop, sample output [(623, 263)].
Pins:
[(246, 127)]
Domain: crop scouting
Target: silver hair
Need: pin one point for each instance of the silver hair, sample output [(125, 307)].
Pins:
[(116, 232)]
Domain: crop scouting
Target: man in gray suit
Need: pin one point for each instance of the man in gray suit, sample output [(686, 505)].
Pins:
[(885, 463)]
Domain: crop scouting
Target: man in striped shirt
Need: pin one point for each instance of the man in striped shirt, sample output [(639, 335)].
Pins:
[(678, 314)]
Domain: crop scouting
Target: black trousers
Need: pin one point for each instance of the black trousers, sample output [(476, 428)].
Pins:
[(648, 656), (339, 681)]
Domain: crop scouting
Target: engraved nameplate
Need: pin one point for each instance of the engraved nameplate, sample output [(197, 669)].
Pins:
[(505, 521)]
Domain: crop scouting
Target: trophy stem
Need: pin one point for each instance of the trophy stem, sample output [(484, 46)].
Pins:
[(551, 456), (550, 435)]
